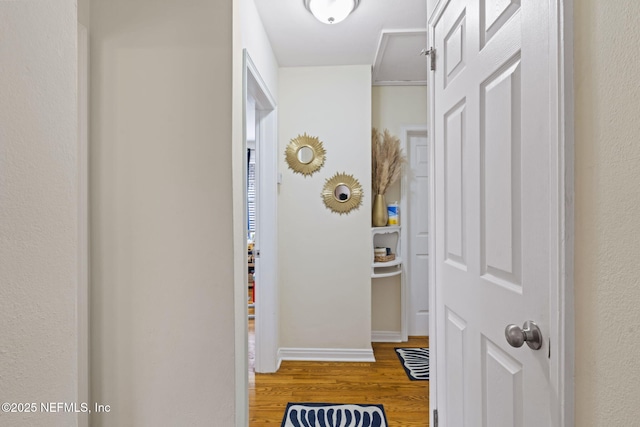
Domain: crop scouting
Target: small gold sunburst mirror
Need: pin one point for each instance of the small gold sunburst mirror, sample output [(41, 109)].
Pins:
[(305, 154), (342, 193)]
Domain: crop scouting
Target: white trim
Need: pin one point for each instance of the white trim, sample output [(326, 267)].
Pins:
[(263, 96), (406, 266), (267, 302), (563, 332), (387, 336), (399, 83), (327, 354), (433, 342), (83, 222), (266, 305), (240, 262)]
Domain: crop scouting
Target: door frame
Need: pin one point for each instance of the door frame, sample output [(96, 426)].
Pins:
[(406, 133), (266, 304), (561, 304)]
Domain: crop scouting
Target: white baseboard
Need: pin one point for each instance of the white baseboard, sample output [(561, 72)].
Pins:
[(327, 354), (386, 336)]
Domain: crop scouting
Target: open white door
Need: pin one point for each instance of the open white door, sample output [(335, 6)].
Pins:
[(498, 213)]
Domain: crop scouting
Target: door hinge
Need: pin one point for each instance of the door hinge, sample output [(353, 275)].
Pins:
[(431, 53), (435, 418)]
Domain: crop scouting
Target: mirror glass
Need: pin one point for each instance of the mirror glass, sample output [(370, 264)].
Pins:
[(342, 193), (305, 155)]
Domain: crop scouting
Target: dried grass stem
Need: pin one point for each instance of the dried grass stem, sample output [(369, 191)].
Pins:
[(386, 160)]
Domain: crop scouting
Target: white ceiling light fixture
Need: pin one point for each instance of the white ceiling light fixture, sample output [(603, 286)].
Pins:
[(331, 11)]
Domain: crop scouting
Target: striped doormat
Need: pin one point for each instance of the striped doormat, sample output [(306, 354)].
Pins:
[(415, 362), (333, 415)]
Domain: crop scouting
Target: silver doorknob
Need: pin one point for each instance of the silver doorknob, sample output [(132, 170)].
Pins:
[(530, 333)]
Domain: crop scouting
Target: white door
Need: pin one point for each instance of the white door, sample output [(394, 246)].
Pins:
[(418, 198), (496, 215)]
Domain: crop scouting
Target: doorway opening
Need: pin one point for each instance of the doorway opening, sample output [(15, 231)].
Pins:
[(260, 145), (415, 233)]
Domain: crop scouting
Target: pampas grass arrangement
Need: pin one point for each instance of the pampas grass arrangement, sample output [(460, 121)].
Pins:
[(386, 160)]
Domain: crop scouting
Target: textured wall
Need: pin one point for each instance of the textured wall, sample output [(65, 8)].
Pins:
[(607, 282), (325, 287), (38, 208), (163, 349)]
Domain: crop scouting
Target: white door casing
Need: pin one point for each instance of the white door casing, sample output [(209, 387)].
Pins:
[(416, 194), (266, 266), (498, 213)]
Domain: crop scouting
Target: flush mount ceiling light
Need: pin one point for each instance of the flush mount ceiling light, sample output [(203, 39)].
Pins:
[(331, 11)]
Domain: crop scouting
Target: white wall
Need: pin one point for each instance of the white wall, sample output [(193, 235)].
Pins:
[(163, 348), (607, 286), (393, 108), (325, 257), (38, 208), (256, 41)]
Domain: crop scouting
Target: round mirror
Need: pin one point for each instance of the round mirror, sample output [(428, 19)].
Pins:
[(342, 193), (305, 155)]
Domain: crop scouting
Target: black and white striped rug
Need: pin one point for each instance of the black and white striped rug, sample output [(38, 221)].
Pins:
[(333, 415), (415, 362)]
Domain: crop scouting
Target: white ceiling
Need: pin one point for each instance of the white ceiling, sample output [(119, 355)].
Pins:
[(299, 40)]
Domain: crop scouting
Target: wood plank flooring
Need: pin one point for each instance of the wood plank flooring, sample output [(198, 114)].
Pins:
[(406, 402)]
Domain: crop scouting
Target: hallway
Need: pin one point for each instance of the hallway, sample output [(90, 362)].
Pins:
[(406, 403)]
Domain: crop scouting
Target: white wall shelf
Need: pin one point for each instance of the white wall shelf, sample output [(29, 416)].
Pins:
[(388, 237)]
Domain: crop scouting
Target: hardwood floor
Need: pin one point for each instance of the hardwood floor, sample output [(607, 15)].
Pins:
[(406, 402)]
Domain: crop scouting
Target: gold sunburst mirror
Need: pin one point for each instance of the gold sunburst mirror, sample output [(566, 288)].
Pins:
[(342, 193), (305, 154)]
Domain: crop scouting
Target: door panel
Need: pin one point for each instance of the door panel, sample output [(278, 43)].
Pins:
[(493, 15), (492, 212), (502, 374), (455, 342), (454, 182), (500, 115), (454, 53), (418, 148)]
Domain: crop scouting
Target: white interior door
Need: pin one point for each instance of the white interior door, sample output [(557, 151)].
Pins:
[(496, 218), (417, 205)]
